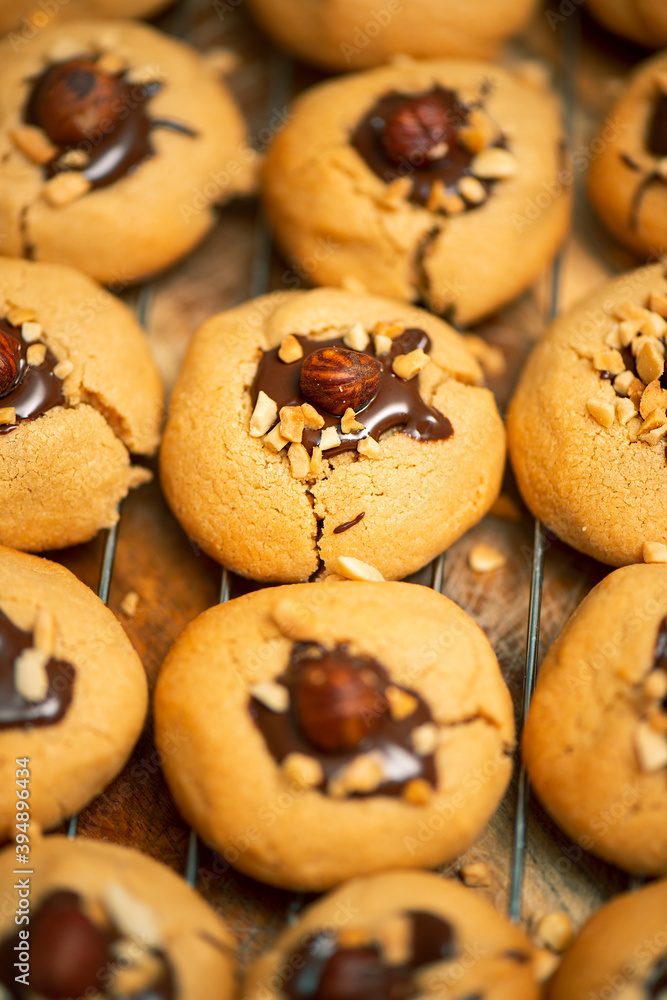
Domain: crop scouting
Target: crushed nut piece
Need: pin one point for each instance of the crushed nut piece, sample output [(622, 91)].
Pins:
[(627, 331), (299, 461), (44, 632), (654, 325), (505, 507), (484, 558), (30, 677), (63, 49), (17, 315), (134, 918), (625, 411), (33, 143), (7, 415), (494, 164), (406, 366), (316, 461), (650, 362), (369, 447), (655, 552), (655, 685), (290, 349), (630, 311), (329, 439), (641, 340), (623, 382), (355, 569), (417, 792), (111, 64), (381, 343), (555, 931), (274, 696), (303, 770), (63, 369), (602, 411), (391, 330), (654, 427), (440, 199), (613, 339), (356, 338), (424, 739), (31, 331), (653, 398), (479, 131), (438, 151), (397, 192), (394, 935), (363, 774), (609, 361), (36, 354), (657, 303), (472, 190), (651, 748), (143, 75), (292, 423), (636, 391), (274, 440), (401, 703), (312, 420), (476, 874), (349, 422), (129, 604), (63, 189), (263, 416), (74, 158)]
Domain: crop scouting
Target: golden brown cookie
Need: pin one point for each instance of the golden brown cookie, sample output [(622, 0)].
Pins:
[(79, 391), (643, 21), (300, 431), (26, 18), (627, 182), (621, 952), (72, 691), (587, 425), (116, 142), (403, 933), (335, 729), (595, 743), (440, 181), (106, 921), (353, 34)]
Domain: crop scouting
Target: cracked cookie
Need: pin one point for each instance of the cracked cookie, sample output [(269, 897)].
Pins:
[(72, 690), (353, 34), (27, 17), (109, 923), (79, 391), (643, 21), (627, 182), (309, 426), (335, 729), (621, 952), (116, 143), (595, 743), (403, 934), (439, 181), (587, 425)]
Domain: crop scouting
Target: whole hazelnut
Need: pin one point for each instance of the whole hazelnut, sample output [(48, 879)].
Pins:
[(418, 131), (10, 362), (335, 379), (336, 704), (73, 100), (67, 949)]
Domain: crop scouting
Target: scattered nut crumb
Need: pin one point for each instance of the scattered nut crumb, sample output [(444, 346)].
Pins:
[(355, 569), (441, 200), (363, 774), (397, 192), (479, 131), (36, 354), (142, 75), (476, 874), (274, 696), (394, 935), (494, 164), (401, 703), (356, 338), (30, 331), (369, 447), (74, 159), (625, 411), (263, 416), (657, 303), (650, 362), (636, 391), (651, 748), (316, 461), (622, 382), (130, 603), (417, 792), (424, 739), (17, 315), (111, 64), (484, 558), (299, 461), (406, 366), (274, 440), (30, 677), (305, 771), (655, 552), (609, 361), (313, 420), (349, 422), (63, 189), (33, 143), (472, 190), (63, 369), (654, 397), (382, 344), (555, 931), (290, 349), (653, 428), (329, 439), (602, 411), (7, 415), (292, 423), (654, 325)]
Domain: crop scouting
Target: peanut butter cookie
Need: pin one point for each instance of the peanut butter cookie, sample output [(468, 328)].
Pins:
[(643, 21), (587, 425), (441, 181), (72, 691), (79, 391), (595, 743), (306, 426), (116, 142), (25, 18), (335, 729)]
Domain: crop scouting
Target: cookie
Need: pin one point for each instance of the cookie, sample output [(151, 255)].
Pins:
[(387, 453), (27, 17), (441, 181), (79, 391), (595, 743), (72, 690), (106, 921), (399, 934), (349, 34), (627, 181), (116, 142), (621, 952), (335, 729), (642, 21), (587, 426)]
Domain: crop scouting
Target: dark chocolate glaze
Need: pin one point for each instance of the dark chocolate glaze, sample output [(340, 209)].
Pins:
[(326, 972), (389, 739), (655, 985), (15, 711), (115, 150), (346, 525), (397, 404), (660, 653), (70, 954), (37, 389), (367, 140), (656, 136)]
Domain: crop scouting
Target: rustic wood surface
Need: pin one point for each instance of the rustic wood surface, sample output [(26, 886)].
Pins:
[(175, 581)]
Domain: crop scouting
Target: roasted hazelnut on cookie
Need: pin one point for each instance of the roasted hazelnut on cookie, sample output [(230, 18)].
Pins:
[(310, 427), (432, 173)]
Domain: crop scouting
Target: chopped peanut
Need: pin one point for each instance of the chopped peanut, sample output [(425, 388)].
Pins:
[(299, 461), (472, 190), (316, 461), (494, 164), (274, 696), (555, 931), (33, 143), (369, 447), (651, 748), (63, 369), (484, 558), (479, 131), (356, 338), (424, 739), (622, 382), (355, 569), (406, 366), (397, 192), (655, 552), (417, 792), (625, 411), (363, 774), (31, 331), (17, 316), (394, 935), (650, 362), (63, 189), (382, 343), (329, 439), (653, 398), (313, 420), (30, 677), (610, 361), (263, 416), (290, 349), (7, 415), (74, 159), (657, 303), (349, 422), (129, 604), (44, 632), (441, 200), (292, 423), (274, 440), (505, 507), (602, 411), (476, 874), (401, 703), (304, 771), (36, 354)]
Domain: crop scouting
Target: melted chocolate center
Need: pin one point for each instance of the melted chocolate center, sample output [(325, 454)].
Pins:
[(397, 404), (121, 138), (655, 985), (656, 139), (327, 972), (388, 738), (70, 955), (15, 711), (36, 389), (370, 141)]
